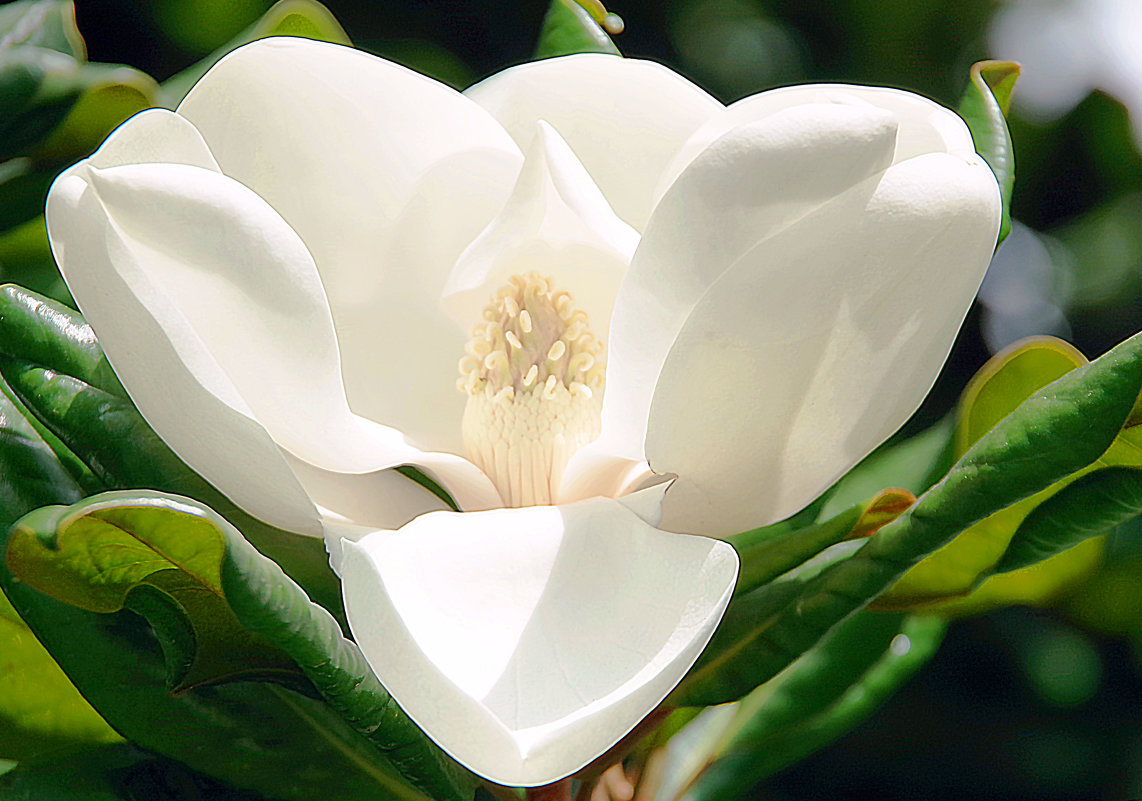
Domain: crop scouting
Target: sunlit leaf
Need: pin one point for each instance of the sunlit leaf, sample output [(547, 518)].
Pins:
[(569, 28), (984, 106)]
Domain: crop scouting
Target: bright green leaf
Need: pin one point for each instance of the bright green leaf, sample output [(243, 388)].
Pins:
[(162, 564), (570, 28), (768, 552), (1090, 506), (983, 107), (41, 712)]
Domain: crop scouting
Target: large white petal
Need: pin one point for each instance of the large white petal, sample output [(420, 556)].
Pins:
[(923, 126), (624, 118), (528, 641), (746, 188), (173, 379), (556, 223), (239, 296), (818, 342), (386, 175)]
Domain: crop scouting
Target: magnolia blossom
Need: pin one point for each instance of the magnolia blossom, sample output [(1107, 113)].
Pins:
[(589, 301)]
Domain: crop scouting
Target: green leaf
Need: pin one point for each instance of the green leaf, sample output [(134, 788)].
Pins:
[(1057, 432), (818, 698), (104, 433), (570, 28), (768, 552), (41, 712), (958, 579), (116, 773), (305, 18), (166, 566), (1090, 506), (94, 553), (259, 737), (41, 331), (983, 106)]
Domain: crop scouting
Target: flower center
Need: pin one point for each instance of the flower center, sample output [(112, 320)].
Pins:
[(533, 373)]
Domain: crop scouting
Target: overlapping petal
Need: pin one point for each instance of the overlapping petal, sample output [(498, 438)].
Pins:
[(803, 326), (556, 223), (625, 118), (386, 175), (528, 641)]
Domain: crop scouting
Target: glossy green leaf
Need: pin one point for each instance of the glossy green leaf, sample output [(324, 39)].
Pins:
[(49, 346), (41, 712), (40, 331), (95, 552), (570, 28), (768, 552), (164, 565), (305, 18), (818, 698), (983, 107), (115, 773), (1055, 433), (958, 579), (1090, 506)]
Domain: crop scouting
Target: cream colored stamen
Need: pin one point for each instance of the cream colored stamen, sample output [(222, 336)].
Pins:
[(534, 376)]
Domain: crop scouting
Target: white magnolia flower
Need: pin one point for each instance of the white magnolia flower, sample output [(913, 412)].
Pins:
[(284, 275)]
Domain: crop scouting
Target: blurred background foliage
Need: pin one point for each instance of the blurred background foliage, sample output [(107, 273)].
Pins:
[(1019, 704)]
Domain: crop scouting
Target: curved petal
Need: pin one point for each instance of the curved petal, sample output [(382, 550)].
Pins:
[(819, 342), (556, 223), (386, 176), (526, 642), (240, 301), (624, 118), (179, 388), (923, 125), (748, 187)]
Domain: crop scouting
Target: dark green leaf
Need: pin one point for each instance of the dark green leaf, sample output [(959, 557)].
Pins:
[(116, 773), (259, 737), (570, 28), (1090, 506), (768, 552), (983, 107), (161, 564), (40, 331), (1059, 431), (305, 18), (93, 553), (818, 698)]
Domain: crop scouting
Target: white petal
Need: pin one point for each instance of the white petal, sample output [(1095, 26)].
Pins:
[(749, 186), (240, 301), (386, 175), (818, 342), (624, 118), (923, 126), (526, 642), (177, 385), (556, 223)]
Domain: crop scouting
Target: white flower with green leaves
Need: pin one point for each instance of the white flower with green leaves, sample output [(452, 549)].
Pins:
[(589, 301)]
